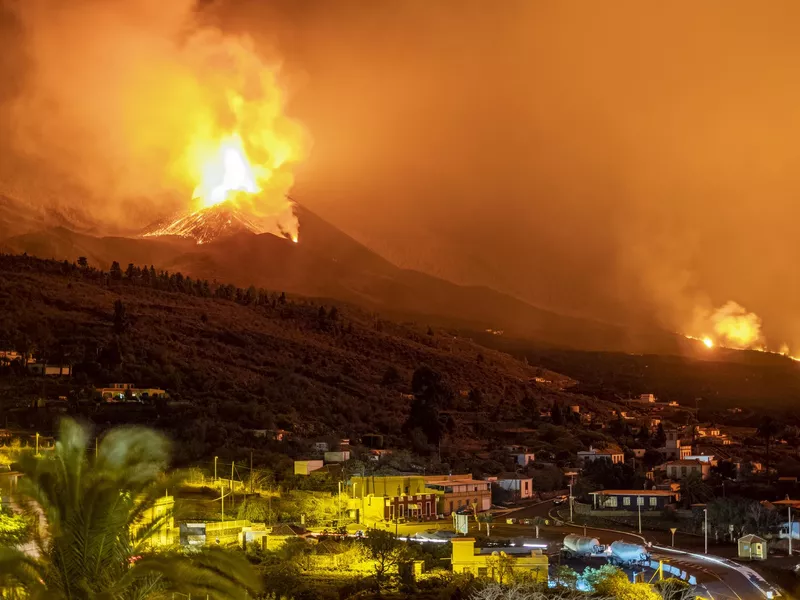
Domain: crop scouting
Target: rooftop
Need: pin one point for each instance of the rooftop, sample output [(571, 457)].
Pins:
[(632, 493), (686, 463)]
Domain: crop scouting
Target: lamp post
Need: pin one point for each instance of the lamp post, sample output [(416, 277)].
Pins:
[(37, 443), (639, 500), (789, 507), (705, 530), (215, 467)]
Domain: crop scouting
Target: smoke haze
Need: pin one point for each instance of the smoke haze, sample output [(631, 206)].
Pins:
[(627, 161)]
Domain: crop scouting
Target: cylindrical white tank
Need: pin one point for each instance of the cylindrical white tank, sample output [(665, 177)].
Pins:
[(579, 544), (628, 553)]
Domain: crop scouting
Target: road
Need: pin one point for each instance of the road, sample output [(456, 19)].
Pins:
[(722, 578)]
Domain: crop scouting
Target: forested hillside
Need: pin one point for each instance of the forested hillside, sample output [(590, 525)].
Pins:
[(249, 358)]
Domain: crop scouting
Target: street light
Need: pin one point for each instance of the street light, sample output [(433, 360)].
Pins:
[(215, 468), (705, 529), (790, 528), (639, 501)]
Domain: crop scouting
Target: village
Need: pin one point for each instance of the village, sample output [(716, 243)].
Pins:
[(711, 487)]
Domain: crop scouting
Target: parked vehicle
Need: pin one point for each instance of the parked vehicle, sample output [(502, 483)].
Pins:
[(581, 546), (625, 554), (560, 500)]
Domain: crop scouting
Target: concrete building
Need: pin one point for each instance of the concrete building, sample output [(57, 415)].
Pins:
[(460, 491), (680, 469), (674, 448), (337, 456), (523, 459), (633, 499), (614, 455), (520, 486), (501, 566), (306, 467), (382, 499), (41, 368)]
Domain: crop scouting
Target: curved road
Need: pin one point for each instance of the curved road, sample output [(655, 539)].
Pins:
[(722, 578)]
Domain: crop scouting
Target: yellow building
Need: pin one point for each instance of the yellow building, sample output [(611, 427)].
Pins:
[(161, 513), (502, 565), (386, 499)]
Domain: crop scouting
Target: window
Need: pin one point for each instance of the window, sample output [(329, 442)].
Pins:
[(451, 506), (639, 501), (526, 486), (626, 501), (611, 502), (683, 471), (653, 501), (476, 489)]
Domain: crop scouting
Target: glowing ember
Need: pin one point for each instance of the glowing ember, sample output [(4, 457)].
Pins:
[(709, 343)]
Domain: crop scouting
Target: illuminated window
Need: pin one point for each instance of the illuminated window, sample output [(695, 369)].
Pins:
[(626, 501), (639, 501)]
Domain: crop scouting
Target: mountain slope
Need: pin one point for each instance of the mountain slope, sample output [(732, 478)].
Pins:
[(257, 363), (328, 263)]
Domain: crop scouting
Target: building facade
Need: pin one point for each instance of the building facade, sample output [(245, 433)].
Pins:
[(633, 499), (681, 469), (614, 455), (460, 491), (501, 566)]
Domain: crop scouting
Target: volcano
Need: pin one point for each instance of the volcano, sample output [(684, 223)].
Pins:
[(214, 223)]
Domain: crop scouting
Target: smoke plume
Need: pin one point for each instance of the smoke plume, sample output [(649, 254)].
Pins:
[(121, 98)]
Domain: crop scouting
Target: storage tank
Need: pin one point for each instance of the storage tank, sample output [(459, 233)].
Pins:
[(624, 553), (581, 545)]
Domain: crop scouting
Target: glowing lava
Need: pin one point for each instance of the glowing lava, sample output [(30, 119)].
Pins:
[(227, 172)]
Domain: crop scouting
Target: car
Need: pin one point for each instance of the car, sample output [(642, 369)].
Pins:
[(559, 500)]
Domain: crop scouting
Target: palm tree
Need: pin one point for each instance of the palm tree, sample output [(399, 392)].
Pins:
[(92, 539)]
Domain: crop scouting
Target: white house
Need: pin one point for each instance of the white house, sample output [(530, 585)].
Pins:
[(614, 455), (519, 485)]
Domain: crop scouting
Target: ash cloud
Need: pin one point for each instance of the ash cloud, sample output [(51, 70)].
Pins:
[(112, 94)]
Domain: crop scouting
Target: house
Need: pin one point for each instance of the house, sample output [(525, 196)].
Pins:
[(649, 398), (674, 448), (633, 499), (160, 516), (7, 356), (377, 454), (523, 459), (306, 467), (499, 565), (707, 458), (520, 486), (460, 491), (574, 408), (384, 499), (680, 469), (41, 368), (614, 455), (321, 446), (120, 392), (337, 456)]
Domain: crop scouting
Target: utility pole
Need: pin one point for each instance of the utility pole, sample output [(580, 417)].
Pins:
[(232, 463), (705, 529), (215, 467), (673, 530), (37, 443), (222, 497), (251, 471), (95, 448), (791, 533)]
